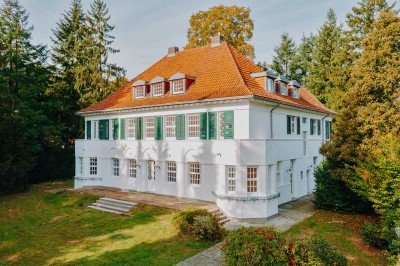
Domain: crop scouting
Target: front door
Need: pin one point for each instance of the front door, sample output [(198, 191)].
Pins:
[(151, 176)]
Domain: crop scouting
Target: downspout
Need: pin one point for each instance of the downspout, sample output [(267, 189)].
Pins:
[(270, 117)]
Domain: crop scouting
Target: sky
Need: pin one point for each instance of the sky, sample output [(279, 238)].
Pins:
[(145, 29)]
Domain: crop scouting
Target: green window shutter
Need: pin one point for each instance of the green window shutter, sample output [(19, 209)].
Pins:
[(212, 125), (298, 125), (115, 124), (103, 129), (311, 126), (203, 126), (122, 128), (229, 125), (159, 128), (180, 127), (139, 128), (88, 129), (107, 129), (319, 127), (288, 126)]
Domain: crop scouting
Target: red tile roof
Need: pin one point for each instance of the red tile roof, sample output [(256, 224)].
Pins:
[(220, 72)]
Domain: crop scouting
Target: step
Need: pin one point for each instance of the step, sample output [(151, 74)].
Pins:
[(111, 207), (105, 210), (127, 203), (117, 204), (221, 222)]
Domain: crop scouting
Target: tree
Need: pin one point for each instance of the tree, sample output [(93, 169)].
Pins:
[(283, 61), (24, 126), (365, 145), (95, 75), (232, 22), (303, 58), (327, 47)]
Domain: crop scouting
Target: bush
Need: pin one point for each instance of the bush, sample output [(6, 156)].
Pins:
[(199, 223), (333, 194), (371, 234), (265, 246)]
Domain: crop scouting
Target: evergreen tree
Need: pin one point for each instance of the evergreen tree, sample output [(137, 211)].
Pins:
[(303, 58), (284, 60), (365, 147), (24, 126), (321, 71), (94, 77)]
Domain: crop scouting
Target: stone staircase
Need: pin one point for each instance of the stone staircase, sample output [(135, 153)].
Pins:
[(113, 206), (222, 219)]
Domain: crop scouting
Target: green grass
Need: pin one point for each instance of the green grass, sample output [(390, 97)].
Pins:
[(341, 230), (41, 228)]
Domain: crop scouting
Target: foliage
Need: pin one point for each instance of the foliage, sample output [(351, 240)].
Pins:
[(284, 58), (199, 223), (232, 22), (332, 194), (265, 246), (371, 235), (303, 58)]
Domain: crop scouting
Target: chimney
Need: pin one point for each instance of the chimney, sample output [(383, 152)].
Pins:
[(216, 40), (172, 51)]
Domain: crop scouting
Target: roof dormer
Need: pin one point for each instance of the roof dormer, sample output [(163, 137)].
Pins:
[(158, 86), (265, 79), (294, 87), (139, 89), (282, 85), (180, 83)]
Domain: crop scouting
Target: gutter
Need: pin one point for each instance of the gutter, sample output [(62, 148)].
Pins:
[(270, 115)]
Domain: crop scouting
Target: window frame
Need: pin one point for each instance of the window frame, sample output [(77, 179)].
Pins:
[(132, 168), (194, 170), (296, 92), (174, 87), (221, 125), (157, 86), (93, 166), (171, 171), (231, 178), (95, 129), (191, 126), (115, 167), (141, 88), (270, 85), (130, 127), (251, 181), (148, 129), (170, 126), (285, 86)]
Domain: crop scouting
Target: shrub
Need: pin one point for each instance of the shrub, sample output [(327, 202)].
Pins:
[(371, 234), (333, 194), (255, 246), (199, 223), (265, 246)]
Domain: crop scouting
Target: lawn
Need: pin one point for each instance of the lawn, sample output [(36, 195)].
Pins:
[(341, 230), (42, 228)]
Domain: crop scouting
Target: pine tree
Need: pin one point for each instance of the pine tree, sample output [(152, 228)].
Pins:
[(95, 75), (327, 47), (303, 58), (365, 145), (283, 61), (24, 126)]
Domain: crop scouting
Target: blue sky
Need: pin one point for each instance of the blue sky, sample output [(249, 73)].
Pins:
[(145, 29)]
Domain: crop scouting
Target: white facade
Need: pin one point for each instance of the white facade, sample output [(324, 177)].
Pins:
[(247, 176)]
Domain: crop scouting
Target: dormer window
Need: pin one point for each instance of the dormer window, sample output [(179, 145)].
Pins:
[(157, 89), (270, 85), (140, 92), (265, 79), (178, 86), (295, 89), (282, 85)]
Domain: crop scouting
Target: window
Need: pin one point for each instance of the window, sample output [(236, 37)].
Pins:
[(194, 125), (328, 128), (132, 168), (178, 86), (139, 92), (151, 170), (115, 167), (301, 175), (171, 171), (80, 165), (278, 172), (251, 179), (221, 125), (150, 127), (270, 85), (314, 126), (131, 128), (93, 166), (283, 88), (292, 124), (194, 173), (170, 126), (296, 92), (231, 177), (157, 89), (315, 160), (304, 119), (95, 128)]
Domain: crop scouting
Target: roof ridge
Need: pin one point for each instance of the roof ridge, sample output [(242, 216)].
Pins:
[(237, 67)]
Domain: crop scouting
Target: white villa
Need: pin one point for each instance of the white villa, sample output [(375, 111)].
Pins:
[(207, 124)]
